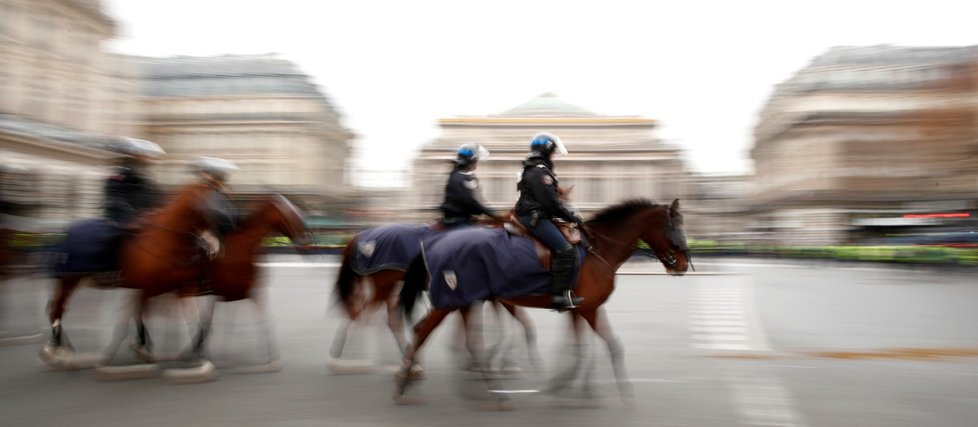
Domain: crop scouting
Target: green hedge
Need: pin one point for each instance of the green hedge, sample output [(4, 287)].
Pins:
[(900, 254)]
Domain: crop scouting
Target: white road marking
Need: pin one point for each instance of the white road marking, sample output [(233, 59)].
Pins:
[(722, 317)]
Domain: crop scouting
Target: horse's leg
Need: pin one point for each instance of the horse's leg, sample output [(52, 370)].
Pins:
[(118, 336), (204, 327), (472, 330), (265, 328), (529, 331), (473, 341), (500, 348), (395, 322), (598, 320), (339, 338), (143, 345), (421, 332), (354, 311), (190, 312), (57, 308), (563, 379)]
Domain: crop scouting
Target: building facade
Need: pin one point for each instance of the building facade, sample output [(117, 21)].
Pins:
[(611, 158), (259, 111), (64, 100), (863, 133), (58, 107)]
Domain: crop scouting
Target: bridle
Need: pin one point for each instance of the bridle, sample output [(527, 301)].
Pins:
[(668, 259), (288, 211)]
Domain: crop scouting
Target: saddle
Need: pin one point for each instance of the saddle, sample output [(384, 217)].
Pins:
[(569, 230)]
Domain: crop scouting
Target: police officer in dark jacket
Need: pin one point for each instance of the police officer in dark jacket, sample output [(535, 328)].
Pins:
[(538, 205), (221, 216), (220, 212), (129, 191), (461, 203)]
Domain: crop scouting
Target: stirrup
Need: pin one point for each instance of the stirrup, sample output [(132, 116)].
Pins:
[(565, 301)]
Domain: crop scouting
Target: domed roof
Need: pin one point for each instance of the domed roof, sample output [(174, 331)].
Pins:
[(547, 105)]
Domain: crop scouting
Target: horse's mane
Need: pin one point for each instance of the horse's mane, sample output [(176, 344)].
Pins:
[(254, 209), (620, 211)]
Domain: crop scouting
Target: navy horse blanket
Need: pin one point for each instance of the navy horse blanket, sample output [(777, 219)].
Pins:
[(89, 246), (388, 247), (476, 264)]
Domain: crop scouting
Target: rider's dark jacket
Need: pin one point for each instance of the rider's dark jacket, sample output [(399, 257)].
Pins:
[(538, 190), (461, 202), (220, 212), (128, 192)]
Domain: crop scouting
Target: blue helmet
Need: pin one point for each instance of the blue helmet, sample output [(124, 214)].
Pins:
[(469, 153), (547, 144)]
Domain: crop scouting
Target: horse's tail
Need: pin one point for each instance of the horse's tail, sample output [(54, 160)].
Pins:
[(414, 284), (346, 278)]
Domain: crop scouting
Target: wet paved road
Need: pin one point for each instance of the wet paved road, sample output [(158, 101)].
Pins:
[(745, 342)]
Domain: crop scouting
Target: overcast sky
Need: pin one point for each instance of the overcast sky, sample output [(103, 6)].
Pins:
[(392, 68)]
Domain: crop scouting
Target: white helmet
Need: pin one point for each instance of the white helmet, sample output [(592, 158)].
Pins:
[(138, 147), (214, 166)]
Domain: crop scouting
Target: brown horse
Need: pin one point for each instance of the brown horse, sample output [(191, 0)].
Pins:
[(161, 257), (234, 274), (612, 235), (363, 294)]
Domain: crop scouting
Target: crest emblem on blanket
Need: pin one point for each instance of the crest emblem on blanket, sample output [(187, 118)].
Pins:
[(450, 279), (367, 248)]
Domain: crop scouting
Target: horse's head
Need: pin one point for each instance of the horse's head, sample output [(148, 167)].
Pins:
[(618, 227), (666, 238), (285, 219)]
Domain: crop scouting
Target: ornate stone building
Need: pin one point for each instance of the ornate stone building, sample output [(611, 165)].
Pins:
[(59, 106), (63, 99), (611, 158), (715, 209), (259, 111), (866, 132)]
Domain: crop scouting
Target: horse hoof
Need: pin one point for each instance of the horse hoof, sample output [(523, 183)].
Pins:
[(416, 372), (401, 399), (56, 357), (349, 366), (143, 353), (198, 374), (123, 373)]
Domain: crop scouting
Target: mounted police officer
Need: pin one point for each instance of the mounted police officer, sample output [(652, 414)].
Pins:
[(539, 203), (129, 191), (461, 201), (218, 209)]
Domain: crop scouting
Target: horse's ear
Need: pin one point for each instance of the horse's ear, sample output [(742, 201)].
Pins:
[(674, 208)]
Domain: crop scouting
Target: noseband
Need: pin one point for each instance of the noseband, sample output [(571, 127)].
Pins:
[(669, 258)]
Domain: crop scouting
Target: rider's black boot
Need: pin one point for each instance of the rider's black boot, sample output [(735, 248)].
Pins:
[(562, 267)]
